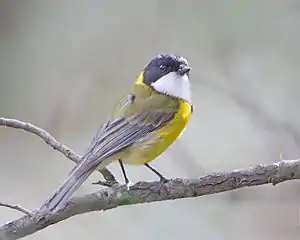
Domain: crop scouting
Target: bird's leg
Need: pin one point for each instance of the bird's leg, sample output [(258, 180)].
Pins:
[(163, 180), (161, 177), (127, 182)]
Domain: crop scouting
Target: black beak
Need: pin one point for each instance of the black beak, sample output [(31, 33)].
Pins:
[(184, 70)]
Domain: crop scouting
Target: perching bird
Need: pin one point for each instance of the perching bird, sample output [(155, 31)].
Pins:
[(144, 123)]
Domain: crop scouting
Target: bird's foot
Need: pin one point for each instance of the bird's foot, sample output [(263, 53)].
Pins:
[(128, 185), (106, 183), (162, 181)]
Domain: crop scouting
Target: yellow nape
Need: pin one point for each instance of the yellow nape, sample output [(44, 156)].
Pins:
[(140, 79)]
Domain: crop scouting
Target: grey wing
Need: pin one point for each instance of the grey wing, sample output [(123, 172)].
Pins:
[(121, 133)]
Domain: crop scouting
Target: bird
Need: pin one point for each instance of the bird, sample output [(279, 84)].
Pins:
[(145, 121)]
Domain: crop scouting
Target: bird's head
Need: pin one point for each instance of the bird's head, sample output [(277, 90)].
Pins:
[(170, 75)]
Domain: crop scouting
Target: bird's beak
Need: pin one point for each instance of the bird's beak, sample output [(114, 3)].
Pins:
[(183, 70)]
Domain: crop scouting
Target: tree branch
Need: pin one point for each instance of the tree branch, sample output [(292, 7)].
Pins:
[(142, 192), (146, 192), (51, 141)]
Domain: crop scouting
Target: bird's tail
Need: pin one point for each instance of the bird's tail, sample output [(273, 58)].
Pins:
[(72, 183)]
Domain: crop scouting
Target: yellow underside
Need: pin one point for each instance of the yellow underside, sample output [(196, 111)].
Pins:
[(148, 150), (168, 134)]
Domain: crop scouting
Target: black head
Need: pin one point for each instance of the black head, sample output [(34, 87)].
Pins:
[(163, 64)]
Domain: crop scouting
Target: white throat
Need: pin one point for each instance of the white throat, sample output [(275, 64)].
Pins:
[(175, 85)]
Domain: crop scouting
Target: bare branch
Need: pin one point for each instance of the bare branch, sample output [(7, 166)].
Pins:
[(146, 192), (18, 208), (51, 141)]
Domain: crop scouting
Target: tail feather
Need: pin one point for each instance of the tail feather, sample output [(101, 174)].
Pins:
[(60, 197)]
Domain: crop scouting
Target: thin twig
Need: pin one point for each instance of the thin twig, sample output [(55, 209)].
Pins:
[(146, 192), (51, 141), (16, 207)]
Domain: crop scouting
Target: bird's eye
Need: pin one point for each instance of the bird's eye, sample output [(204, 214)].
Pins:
[(162, 67)]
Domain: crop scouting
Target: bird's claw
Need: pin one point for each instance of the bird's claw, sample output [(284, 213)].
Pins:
[(105, 183), (128, 185), (162, 181)]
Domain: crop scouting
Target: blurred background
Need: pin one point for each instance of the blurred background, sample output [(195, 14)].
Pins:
[(65, 63)]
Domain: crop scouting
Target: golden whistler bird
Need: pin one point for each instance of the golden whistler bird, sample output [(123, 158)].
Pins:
[(142, 125)]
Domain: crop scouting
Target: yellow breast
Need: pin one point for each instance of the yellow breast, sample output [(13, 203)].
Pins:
[(175, 128), (165, 136)]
